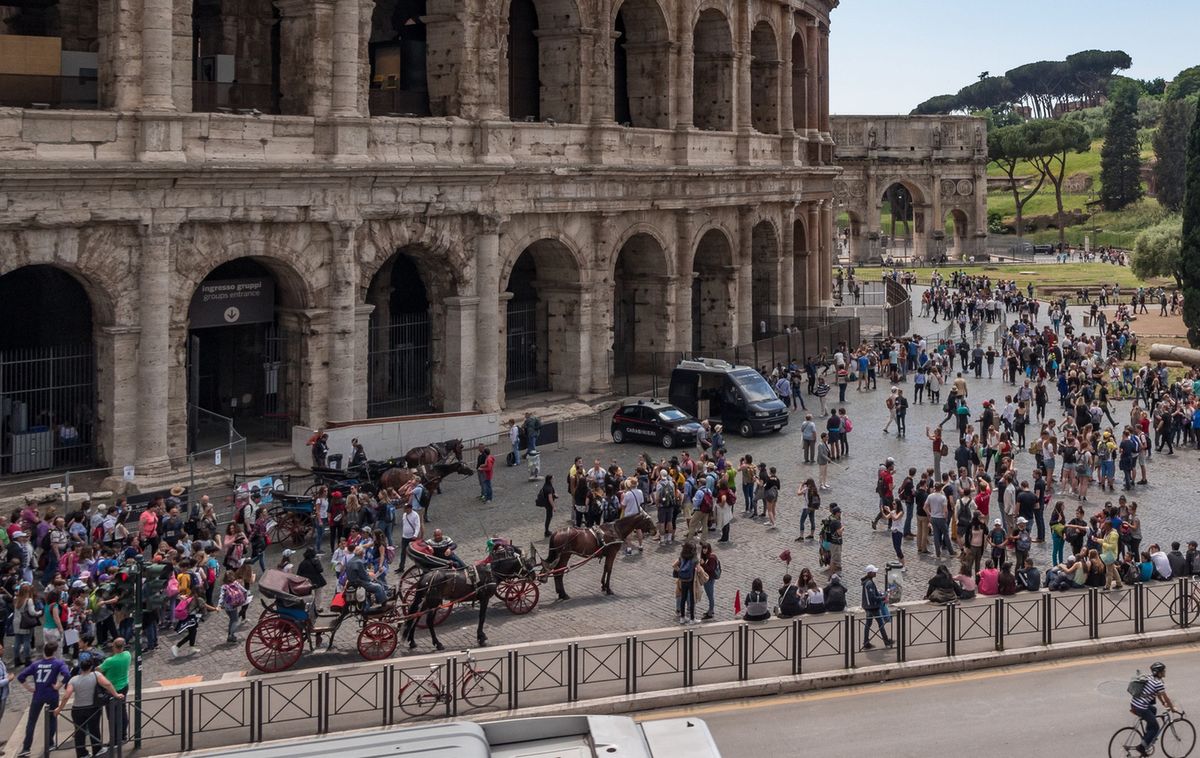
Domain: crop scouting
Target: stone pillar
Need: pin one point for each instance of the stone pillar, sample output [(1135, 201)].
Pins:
[(812, 44), (597, 302), (182, 54), (787, 124), (745, 277), (362, 350), (157, 56), (459, 376), (343, 286), (787, 261), (824, 80), (742, 60), (826, 258), (685, 224), (344, 100), (119, 55), (683, 91), (119, 399), (306, 56), (153, 356), (814, 256), (487, 321)]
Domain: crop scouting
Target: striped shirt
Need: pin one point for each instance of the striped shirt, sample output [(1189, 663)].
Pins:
[(1150, 691)]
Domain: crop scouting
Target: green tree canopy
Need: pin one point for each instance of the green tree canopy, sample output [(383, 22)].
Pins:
[(1170, 152), (1049, 142), (1185, 83), (940, 105), (1092, 70), (1120, 161), (1190, 252), (1158, 250), (1008, 147), (991, 92)]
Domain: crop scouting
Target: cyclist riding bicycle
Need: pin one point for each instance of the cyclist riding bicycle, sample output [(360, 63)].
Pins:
[(1142, 705)]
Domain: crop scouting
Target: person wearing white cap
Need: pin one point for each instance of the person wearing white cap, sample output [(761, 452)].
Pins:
[(891, 407), (1021, 541), (873, 602), (998, 538), (285, 562)]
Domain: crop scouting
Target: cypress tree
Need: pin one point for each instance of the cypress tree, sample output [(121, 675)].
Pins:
[(1120, 163), (1190, 253), (1170, 149)]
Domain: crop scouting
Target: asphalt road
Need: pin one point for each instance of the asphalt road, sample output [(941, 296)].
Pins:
[(1060, 708)]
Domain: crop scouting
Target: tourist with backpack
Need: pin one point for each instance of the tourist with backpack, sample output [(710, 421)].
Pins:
[(187, 612), (873, 603), (231, 599)]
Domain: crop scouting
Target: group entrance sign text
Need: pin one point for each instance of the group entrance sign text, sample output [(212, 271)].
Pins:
[(232, 302)]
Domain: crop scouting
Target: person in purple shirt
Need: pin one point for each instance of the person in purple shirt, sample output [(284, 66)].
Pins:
[(48, 675)]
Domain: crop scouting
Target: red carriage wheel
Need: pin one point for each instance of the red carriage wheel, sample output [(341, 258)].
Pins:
[(408, 586), (439, 616), (274, 644), (520, 595), (376, 641)]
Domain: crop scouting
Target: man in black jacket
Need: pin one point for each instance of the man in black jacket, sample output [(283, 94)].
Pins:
[(872, 602), (1179, 564)]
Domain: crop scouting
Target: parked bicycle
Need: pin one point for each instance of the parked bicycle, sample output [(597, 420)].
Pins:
[(478, 687), (1177, 737)]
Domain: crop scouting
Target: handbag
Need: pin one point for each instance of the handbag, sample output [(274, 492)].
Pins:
[(29, 620)]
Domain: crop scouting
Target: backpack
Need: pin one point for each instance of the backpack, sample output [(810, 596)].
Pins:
[(964, 512), (880, 485), (849, 425), (1137, 685), (234, 597), (172, 586), (181, 609), (716, 574), (234, 556), (706, 503), (1023, 542), (611, 510), (425, 497)]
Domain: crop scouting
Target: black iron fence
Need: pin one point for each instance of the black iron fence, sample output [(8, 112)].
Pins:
[(364, 695), (649, 372), (47, 408)]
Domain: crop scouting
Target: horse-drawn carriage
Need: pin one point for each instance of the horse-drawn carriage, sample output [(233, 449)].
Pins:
[(516, 584), (291, 519), (433, 462), (291, 621)]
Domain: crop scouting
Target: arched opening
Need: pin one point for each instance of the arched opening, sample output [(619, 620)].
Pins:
[(243, 356), (764, 79), (397, 51), (955, 230), (713, 298), (641, 62), (641, 306), (543, 60), (712, 73), (400, 340), (235, 56), (543, 321), (799, 84), (897, 221), (51, 53), (764, 245), (850, 245), (47, 371)]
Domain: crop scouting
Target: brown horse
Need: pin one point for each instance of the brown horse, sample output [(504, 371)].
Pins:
[(605, 539), (427, 455), (398, 477), (448, 586)]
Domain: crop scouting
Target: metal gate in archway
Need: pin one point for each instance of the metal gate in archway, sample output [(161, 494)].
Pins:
[(524, 343), (47, 408), (400, 366)]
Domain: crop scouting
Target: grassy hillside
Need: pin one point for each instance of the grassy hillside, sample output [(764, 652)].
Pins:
[(1103, 228)]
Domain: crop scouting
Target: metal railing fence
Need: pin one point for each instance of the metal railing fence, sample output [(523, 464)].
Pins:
[(384, 693)]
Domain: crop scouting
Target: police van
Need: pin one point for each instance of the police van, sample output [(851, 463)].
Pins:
[(738, 397)]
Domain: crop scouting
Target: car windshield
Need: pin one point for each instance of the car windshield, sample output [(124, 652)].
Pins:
[(753, 386), (672, 414)]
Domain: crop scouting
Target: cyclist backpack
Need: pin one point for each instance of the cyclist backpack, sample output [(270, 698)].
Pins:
[(1137, 685)]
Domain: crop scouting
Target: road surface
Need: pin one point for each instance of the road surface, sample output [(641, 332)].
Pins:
[(1060, 708)]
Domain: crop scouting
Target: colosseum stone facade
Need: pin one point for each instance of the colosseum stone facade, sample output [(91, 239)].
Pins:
[(319, 210)]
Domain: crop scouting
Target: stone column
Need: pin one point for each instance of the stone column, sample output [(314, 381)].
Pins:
[(787, 124), (459, 376), (742, 60), (684, 82), (153, 357), (824, 80), (814, 256), (157, 57), (745, 278), (119, 55), (306, 56), (487, 320), (362, 350), (182, 54), (787, 261), (343, 269), (344, 99), (685, 223), (812, 38), (597, 303), (117, 379), (826, 258)]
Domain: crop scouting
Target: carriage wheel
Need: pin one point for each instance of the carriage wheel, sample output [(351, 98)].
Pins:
[(289, 528), (376, 641), (439, 617), (519, 595), (407, 590), (274, 644)]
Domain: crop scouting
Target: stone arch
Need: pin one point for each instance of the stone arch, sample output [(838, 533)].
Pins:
[(903, 199), (712, 71), (851, 232), (765, 65), (544, 60), (512, 250), (801, 265), (640, 228), (714, 296), (799, 82), (955, 243), (100, 258), (641, 65), (543, 287), (764, 259), (441, 256), (643, 299)]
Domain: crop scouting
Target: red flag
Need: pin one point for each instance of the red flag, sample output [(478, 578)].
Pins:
[(737, 603)]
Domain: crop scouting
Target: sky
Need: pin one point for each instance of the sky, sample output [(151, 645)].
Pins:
[(886, 56)]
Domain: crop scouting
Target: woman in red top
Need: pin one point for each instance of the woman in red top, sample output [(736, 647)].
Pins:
[(487, 469), (337, 517)]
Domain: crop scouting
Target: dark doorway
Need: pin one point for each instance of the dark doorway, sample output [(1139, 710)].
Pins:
[(524, 88), (47, 372), (527, 336), (400, 356), (399, 79)]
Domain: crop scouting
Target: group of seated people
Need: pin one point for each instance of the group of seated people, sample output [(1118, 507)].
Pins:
[(801, 596), (945, 587)]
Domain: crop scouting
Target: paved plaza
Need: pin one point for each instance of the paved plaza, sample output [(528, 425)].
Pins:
[(642, 582)]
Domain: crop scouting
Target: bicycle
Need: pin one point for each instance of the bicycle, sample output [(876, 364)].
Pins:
[(478, 687), (1193, 606), (1177, 738)]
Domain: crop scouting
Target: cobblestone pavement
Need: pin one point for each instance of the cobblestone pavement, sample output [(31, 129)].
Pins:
[(642, 582)]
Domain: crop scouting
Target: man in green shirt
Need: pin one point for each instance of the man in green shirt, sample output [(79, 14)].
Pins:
[(115, 668)]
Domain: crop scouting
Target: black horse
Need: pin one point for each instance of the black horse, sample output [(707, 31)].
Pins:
[(475, 583), (435, 452)]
